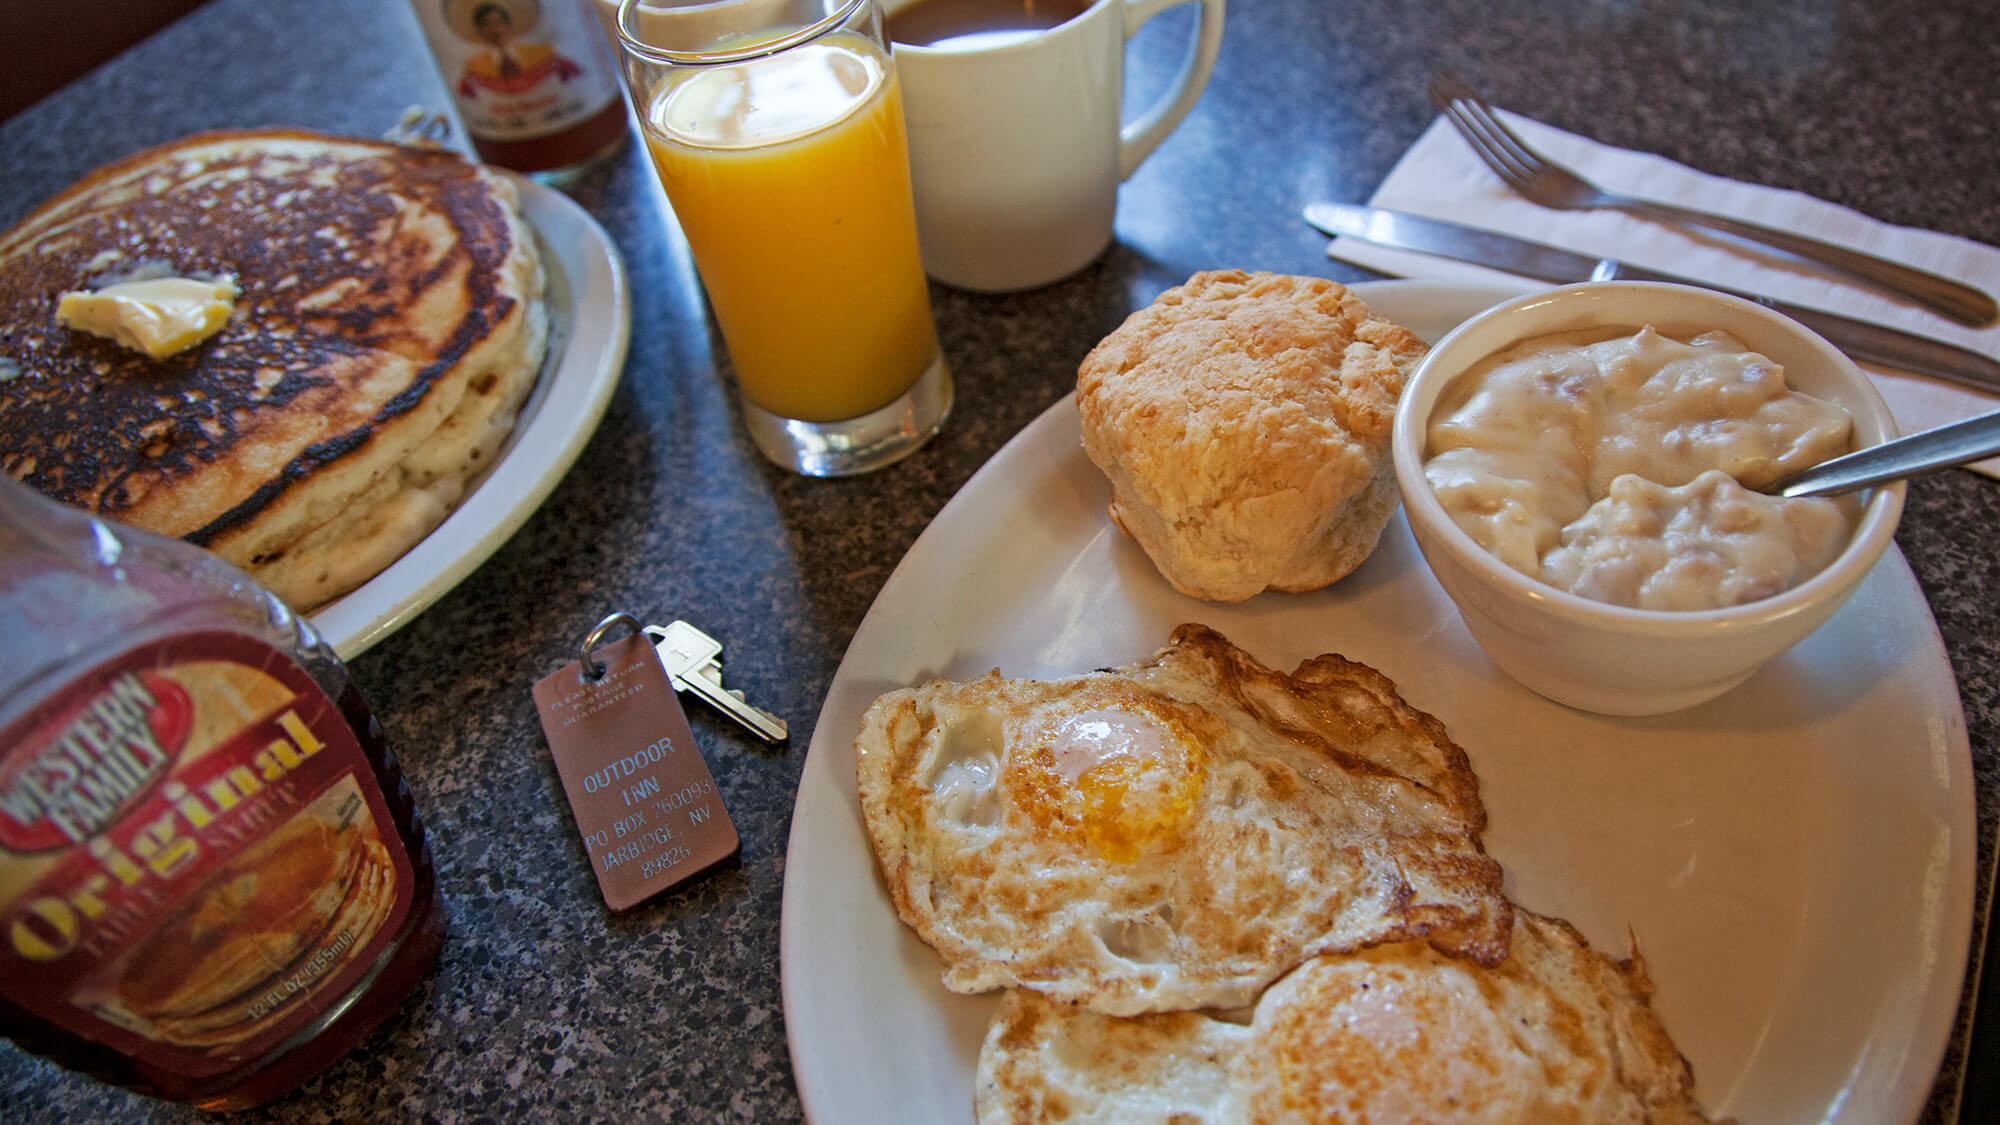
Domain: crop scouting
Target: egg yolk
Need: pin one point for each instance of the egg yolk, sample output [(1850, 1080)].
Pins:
[(1119, 779)]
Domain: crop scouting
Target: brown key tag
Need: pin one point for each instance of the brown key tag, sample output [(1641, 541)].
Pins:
[(642, 795)]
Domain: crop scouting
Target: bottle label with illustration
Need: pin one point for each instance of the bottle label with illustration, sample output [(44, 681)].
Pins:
[(194, 859), (520, 69)]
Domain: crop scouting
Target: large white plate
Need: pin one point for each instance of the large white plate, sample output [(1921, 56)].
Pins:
[(1795, 859), (589, 330)]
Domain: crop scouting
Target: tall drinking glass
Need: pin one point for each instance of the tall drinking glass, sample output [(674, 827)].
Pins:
[(777, 130)]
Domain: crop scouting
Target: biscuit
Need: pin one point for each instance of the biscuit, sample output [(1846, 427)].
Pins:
[(1243, 420)]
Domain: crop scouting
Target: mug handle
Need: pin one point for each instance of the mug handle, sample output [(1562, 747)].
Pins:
[(1138, 140)]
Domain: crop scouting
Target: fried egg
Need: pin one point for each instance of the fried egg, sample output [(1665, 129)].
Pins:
[(1397, 1033), (1174, 834)]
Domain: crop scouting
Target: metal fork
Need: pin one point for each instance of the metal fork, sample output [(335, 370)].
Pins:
[(1551, 185)]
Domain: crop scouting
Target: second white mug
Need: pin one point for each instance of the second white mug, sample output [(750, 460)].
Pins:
[(1018, 143)]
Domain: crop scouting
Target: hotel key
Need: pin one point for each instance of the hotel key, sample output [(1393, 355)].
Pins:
[(694, 663)]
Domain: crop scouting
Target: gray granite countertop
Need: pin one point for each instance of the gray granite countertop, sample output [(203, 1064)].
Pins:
[(546, 1006)]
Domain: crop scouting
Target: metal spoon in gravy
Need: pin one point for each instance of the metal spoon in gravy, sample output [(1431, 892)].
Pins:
[(1938, 448)]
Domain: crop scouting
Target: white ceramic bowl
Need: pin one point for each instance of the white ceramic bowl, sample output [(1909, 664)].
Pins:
[(1611, 659)]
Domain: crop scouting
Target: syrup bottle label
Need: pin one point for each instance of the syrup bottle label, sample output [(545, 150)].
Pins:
[(194, 859), (520, 69)]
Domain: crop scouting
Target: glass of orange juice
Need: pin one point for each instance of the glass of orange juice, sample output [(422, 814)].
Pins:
[(777, 130)]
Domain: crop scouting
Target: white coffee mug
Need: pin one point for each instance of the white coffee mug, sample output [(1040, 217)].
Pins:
[(1017, 150)]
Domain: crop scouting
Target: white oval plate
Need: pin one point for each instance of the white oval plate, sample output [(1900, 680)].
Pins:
[(590, 326), (1795, 859)]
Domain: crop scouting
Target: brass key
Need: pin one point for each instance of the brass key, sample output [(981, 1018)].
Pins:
[(694, 663)]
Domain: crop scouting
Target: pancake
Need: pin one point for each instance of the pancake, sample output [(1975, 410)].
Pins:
[(400, 508), (247, 920), (388, 327), (274, 924), (1556, 1033), (370, 899), (1176, 833)]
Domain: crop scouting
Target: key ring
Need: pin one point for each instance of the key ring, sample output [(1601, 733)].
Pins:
[(591, 671), (420, 128)]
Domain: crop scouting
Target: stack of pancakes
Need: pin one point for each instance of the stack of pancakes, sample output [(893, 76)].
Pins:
[(390, 324), (279, 922)]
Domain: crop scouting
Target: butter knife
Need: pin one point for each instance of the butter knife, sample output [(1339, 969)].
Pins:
[(1875, 343)]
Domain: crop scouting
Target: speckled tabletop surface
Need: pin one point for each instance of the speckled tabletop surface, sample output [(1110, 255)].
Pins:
[(544, 1005)]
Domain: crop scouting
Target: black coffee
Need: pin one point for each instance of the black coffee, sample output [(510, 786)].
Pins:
[(978, 23)]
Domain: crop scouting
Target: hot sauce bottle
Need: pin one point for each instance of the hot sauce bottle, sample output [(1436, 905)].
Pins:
[(213, 878), (535, 82)]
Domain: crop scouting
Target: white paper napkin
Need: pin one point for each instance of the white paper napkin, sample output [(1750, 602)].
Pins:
[(1441, 177)]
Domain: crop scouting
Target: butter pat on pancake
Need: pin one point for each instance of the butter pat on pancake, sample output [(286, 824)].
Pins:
[(1557, 1033), (158, 316), (1173, 834), (389, 313)]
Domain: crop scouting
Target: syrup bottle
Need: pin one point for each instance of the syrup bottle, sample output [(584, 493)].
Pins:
[(213, 879), (535, 82)]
